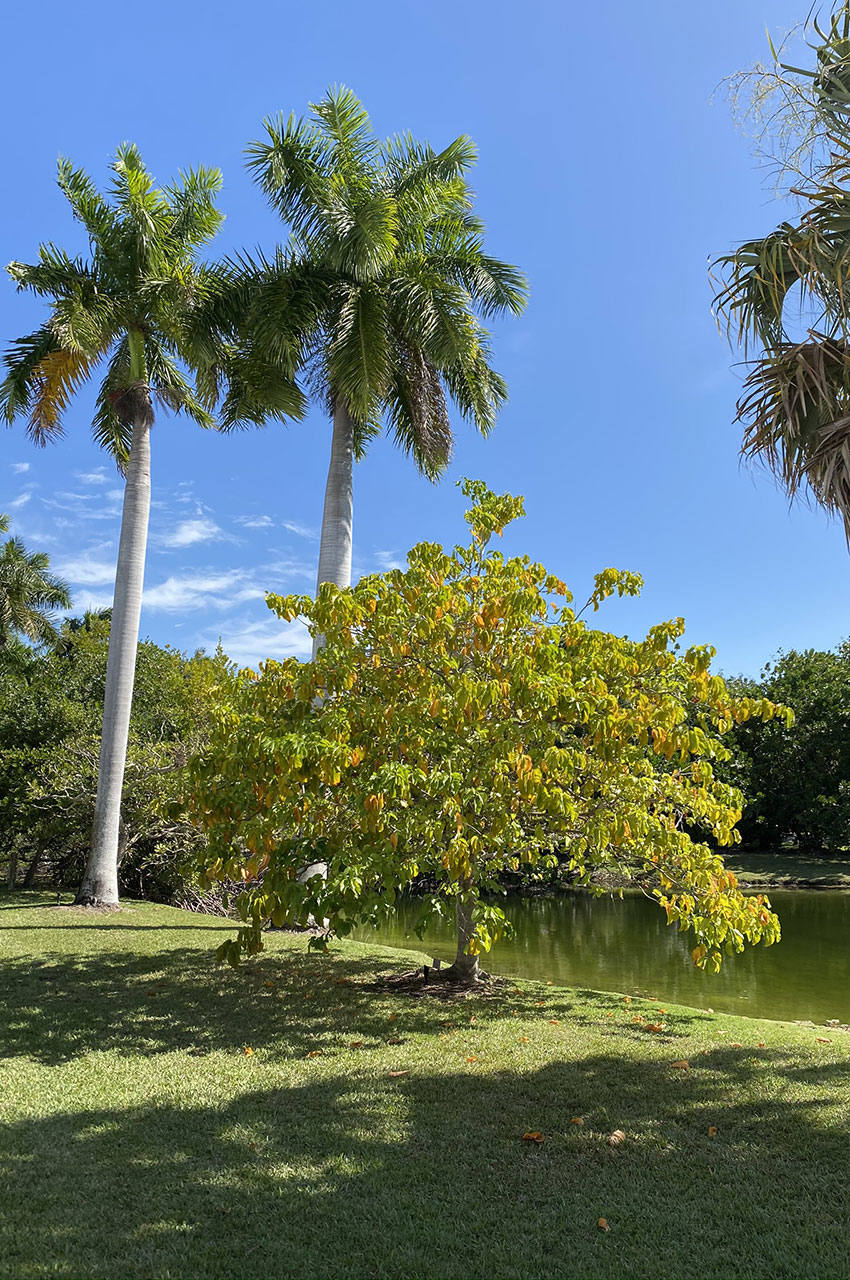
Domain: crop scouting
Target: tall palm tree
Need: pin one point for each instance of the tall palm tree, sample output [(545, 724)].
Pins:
[(137, 304), (384, 242), (795, 406), (29, 593)]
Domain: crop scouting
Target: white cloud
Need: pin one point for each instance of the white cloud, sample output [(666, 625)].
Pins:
[(196, 591), (388, 560), (252, 642), (301, 529), (20, 467), (256, 522), (20, 501), (189, 532), (86, 571), (93, 477)]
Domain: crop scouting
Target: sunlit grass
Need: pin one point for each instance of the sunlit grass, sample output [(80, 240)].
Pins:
[(162, 1118)]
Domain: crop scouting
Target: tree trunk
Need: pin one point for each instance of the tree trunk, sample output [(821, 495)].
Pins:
[(338, 514), (465, 967), (100, 882), (13, 871), (29, 878)]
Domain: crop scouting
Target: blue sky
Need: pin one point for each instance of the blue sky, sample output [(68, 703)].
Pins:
[(606, 173)]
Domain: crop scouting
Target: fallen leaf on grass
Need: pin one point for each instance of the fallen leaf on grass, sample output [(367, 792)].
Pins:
[(536, 1136), (523, 1039), (627, 999), (472, 1059), (655, 1026), (681, 1065), (395, 1074), (248, 1051), (602, 1224), (356, 1044), (315, 1053), (823, 1040), (392, 1017), (555, 1022), (712, 1130), (395, 1040), (762, 1044), (579, 1120), (638, 1018), (735, 1044), (616, 1138)]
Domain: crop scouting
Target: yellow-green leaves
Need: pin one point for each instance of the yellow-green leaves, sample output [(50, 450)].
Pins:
[(461, 733)]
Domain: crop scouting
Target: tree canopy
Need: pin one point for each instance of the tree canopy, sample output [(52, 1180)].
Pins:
[(460, 720)]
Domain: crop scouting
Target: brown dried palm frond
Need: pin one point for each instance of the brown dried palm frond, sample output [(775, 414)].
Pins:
[(796, 415), (54, 381)]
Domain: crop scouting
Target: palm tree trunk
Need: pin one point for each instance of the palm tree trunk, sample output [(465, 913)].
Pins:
[(338, 515), (100, 882)]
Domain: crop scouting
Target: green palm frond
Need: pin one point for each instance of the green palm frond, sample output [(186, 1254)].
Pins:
[(343, 121), (29, 594), (359, 357), (88, 205), (289, 169)]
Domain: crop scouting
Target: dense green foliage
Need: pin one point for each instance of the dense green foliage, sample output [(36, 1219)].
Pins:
[(796, 778), (449, 728), (50, 710)]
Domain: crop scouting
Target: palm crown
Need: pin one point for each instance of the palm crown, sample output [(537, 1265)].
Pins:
[(137, 304), (795, 406), (29, 593), (392, 274)]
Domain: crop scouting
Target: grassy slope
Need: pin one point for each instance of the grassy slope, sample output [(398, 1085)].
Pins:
[(140, 1140), (790, 869)]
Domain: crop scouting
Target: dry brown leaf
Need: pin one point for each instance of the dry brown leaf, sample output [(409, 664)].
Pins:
[(681, 1065), (356, 1044), (616, 1138), (395, 1074), (712, 1130), (392, 1017), (762, 1045), (655, 1026), (555, 1022), (315, 1053), (823, 1040), (579, 1120), (535, 1136), (248, 1051), (602, 1224), (735, 1044), (472, 1059), (523, 1039), (395, 1040)]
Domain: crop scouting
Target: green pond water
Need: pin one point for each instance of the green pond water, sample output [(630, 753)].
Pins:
[(626, 945)]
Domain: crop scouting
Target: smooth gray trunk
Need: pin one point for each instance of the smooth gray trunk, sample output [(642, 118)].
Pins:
[(338, 514), (12, 879), (465, 966), (100, 882)]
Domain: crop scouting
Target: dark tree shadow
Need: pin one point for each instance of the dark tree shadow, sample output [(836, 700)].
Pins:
[(329, 1180)]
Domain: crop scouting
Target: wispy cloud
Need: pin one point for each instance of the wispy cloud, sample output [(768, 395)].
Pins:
[(388, 560), (300, 529), (252, 642), (86, 571), (21, 501), (255, 522), (98, 476), (20, 467), (188, 532), (180, 592)]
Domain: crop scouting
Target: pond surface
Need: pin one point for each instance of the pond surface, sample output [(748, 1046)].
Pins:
[(626, 945)]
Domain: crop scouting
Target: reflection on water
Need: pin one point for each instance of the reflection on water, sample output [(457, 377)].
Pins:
[(627, 945)]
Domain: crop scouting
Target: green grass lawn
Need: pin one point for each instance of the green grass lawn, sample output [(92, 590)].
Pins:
[(789, 869), (370, 1133)]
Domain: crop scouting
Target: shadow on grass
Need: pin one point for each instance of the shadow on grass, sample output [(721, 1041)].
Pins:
[(428, 1176), (287, 1002)]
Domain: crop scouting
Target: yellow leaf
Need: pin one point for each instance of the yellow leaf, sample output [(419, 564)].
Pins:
[(315, 1053), (602, 1224), (681, 1065), (472, 1059), (248, 1051), (535, 1136), (712, 1130), (523, 1039), (394, 1074)]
